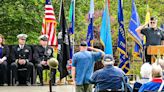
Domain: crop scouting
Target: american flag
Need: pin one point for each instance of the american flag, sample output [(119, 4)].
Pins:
[(49, 23)]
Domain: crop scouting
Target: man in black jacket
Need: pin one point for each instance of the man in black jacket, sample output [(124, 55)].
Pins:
[(42, 53), (21, 57)]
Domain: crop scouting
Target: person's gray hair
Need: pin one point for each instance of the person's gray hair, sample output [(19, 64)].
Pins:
[(146, 70), (156, 70)]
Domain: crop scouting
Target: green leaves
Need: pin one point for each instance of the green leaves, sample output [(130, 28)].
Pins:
[(25, 16), (19, 16)]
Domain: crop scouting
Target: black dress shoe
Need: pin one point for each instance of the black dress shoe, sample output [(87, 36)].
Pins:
[(5, 84), (16, 83), (28, 83), (54, 84)]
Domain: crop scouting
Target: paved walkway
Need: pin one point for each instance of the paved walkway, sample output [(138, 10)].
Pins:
[(63, 88)]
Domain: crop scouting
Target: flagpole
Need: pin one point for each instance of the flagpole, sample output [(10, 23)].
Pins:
[(73, 41), (126, 33), (132, 63), (59, 22), (92, 31), (73, 29), (60, 9), (144, 38)]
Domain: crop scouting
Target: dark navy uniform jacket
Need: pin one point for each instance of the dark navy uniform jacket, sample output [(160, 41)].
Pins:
[(25, 53), (42, 54)]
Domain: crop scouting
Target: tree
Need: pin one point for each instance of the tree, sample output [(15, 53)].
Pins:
[(25, 16)]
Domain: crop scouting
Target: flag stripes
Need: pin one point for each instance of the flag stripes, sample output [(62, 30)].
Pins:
[(49, 24)]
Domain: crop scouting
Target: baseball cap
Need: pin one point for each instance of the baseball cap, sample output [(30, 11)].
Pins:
[(83, 43), (108, 59)]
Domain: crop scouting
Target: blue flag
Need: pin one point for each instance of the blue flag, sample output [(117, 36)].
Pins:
[(121, 34), (105, 31), (124, 64), (72, 17), (90, 26), (134, 23), (124, 61), (72, 26)]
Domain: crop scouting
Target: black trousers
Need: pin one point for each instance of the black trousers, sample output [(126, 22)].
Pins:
[(3, 72), (40, 69), (147, 57), (15, 66)]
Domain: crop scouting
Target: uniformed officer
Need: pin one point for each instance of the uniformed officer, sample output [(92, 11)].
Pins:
[(42, 53), (21, 57)]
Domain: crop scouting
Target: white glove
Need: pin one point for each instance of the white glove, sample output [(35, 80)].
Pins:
[(1, 61)]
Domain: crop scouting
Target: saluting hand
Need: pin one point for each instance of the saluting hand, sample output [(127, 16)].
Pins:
[(90, 48), (1, 61), (44, 63)]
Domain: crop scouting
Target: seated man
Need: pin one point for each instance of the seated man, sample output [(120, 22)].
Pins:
[(21, 57), (145, 72), (155, 84), (42, 53), (110, 77)]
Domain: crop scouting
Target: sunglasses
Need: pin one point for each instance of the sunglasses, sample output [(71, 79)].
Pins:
[(23, 39), (152, 22)]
